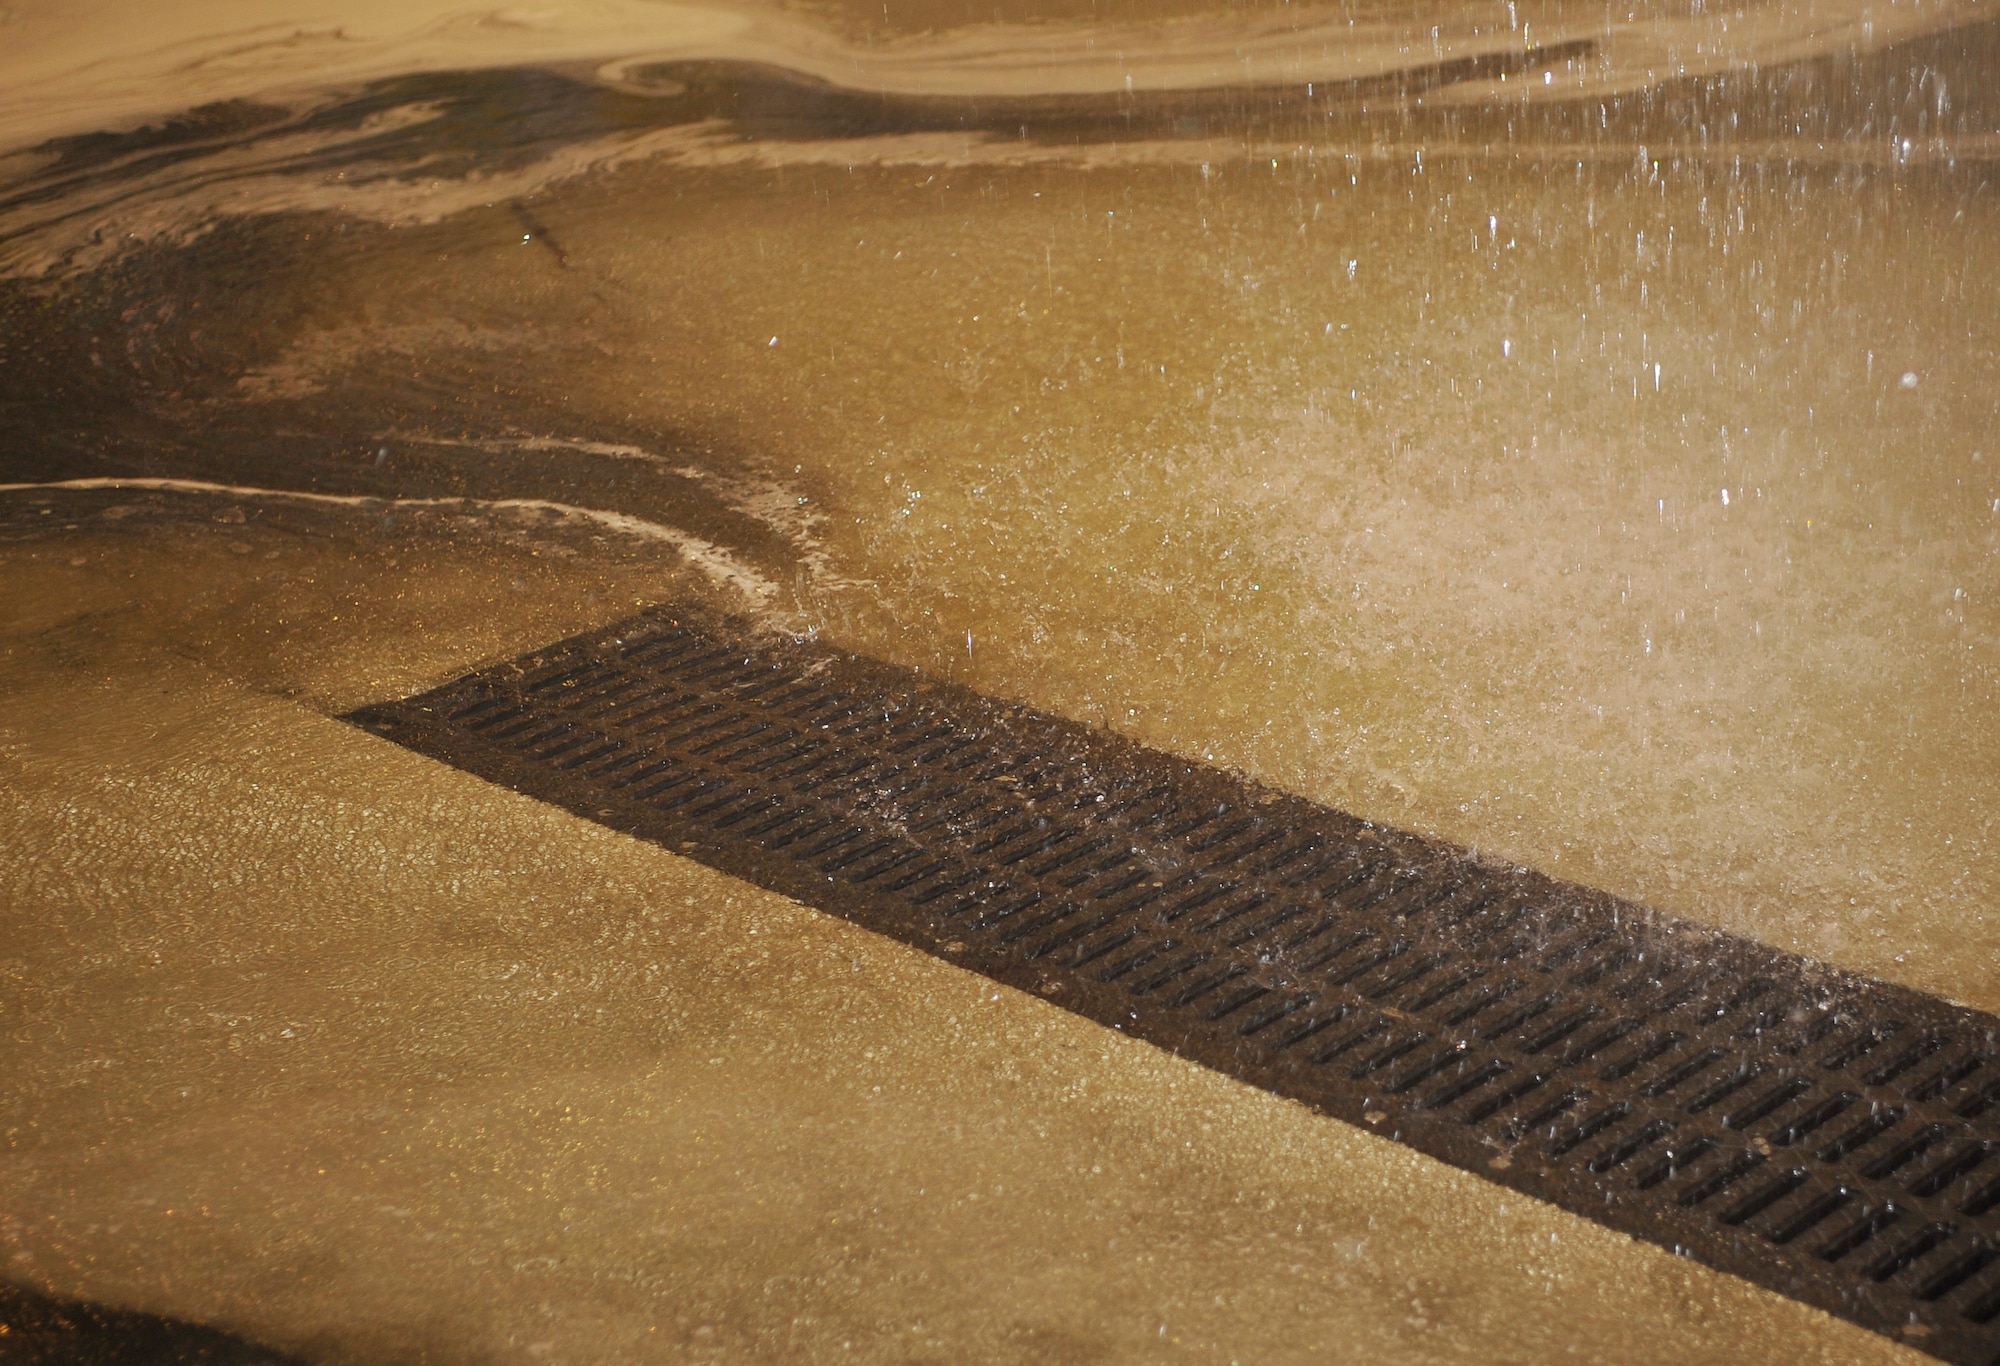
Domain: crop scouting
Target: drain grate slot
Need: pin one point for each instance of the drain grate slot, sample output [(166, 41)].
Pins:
[(1636, 1069)]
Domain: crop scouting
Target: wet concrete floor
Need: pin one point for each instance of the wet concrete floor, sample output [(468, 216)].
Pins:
[(356, 1055), (1601, 476)]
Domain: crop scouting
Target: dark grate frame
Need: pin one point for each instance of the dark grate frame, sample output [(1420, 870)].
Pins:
[(1825, 1135)]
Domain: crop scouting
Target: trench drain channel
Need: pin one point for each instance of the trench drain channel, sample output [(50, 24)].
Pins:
[(1830, 1137)]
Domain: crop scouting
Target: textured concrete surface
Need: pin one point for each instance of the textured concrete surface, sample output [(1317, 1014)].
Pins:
[(324, 1043)]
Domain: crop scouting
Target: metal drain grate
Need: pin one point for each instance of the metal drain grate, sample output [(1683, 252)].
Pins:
[(1827, 1136)]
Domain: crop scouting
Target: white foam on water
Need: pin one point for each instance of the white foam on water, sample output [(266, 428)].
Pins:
[(720, 567)]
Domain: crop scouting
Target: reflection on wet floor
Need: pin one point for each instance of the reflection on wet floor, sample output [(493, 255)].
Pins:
[(1465, 495), (1601, 477)]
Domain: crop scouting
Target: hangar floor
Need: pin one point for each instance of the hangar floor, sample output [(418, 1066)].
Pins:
[(1597, 476)]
